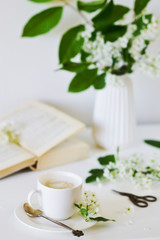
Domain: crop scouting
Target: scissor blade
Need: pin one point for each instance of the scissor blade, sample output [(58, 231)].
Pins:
[(121, 193), (115, 191)]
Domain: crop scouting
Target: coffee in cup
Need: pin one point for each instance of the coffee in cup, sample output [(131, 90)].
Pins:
[(59, 184)]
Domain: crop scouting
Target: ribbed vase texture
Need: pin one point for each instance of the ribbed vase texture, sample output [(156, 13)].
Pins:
[(114, 115)]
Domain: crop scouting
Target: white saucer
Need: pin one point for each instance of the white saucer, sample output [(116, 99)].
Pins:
[(75, 222)]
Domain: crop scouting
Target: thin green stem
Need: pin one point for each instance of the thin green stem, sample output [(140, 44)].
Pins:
[(67, 3)]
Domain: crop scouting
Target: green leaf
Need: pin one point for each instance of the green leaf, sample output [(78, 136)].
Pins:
[(97, 172), (83, 80), (101, 219), (91, 6), (76, 205), (153, 143), (84, 212), (42, 22), (71, 44), (100, 81), (141, 25), (91, 178), (114, 32), (107, 159), (147, 42), (40, 1), (109, 15), (84, 55), (75, 67), (93, 36), (134, 172), (140, 5)]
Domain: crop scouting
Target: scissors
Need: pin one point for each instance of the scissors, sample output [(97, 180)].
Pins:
[(139, 201)]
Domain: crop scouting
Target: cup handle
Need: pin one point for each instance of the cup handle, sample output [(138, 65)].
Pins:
[(30, 198)]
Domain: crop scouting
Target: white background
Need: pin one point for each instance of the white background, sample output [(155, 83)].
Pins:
[(27, 67)]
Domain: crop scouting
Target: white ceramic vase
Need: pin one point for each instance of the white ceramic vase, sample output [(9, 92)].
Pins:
[(114, 116)]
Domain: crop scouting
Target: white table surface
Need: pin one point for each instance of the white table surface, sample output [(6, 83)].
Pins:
[(145, 222)]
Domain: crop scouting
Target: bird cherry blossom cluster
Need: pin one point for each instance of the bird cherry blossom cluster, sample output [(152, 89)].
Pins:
[(140, 171), (135, 170), (111, 56), (8, 134), (88, 207)]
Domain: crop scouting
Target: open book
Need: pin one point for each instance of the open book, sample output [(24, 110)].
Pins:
[(41, 128)]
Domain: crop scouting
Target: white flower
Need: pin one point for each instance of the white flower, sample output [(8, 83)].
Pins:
[(149, 64), (152, 30), (122, 42), (107, 56), (142, 181), (140, 172), (138, 44), (130, 210), (8, 133), (89, 202)]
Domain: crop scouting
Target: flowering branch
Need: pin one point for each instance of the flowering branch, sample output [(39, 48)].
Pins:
[(111, 46), (88, 207), (134, 169)]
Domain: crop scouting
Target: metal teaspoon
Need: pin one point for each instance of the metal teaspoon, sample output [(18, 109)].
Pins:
[(38, 213)]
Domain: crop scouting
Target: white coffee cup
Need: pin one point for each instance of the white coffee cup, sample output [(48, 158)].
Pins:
[(57, 203)]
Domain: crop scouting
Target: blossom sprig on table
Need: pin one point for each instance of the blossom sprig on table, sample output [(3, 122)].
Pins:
[(88, 207), (134, 169), (8, 134)]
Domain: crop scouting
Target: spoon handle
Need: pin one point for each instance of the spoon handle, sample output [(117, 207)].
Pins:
[(77, 233), (57, 222)]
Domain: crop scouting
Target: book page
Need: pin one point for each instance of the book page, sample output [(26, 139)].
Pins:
[(11, 154), (42, 127)]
